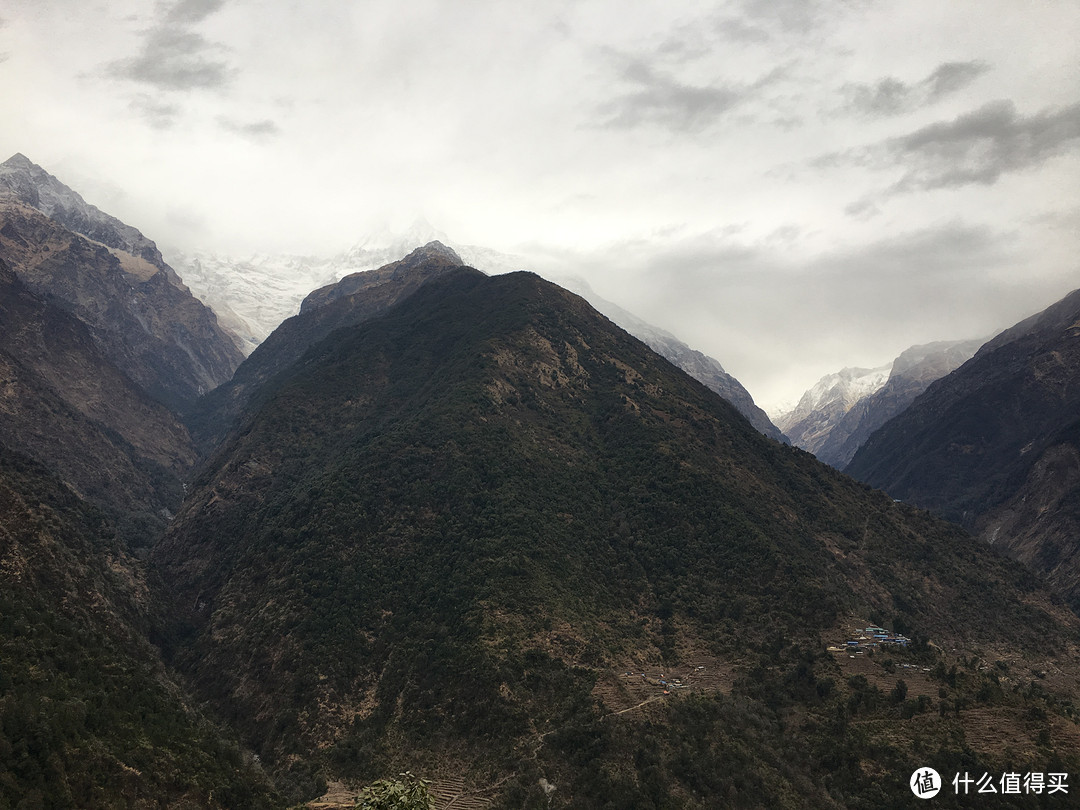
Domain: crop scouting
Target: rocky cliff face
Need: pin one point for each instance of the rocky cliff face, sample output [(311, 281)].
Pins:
[(1039, 522), (28, 183), (65, 404), (166, 341)]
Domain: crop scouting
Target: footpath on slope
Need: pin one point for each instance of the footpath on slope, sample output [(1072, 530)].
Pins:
[(619, 691)]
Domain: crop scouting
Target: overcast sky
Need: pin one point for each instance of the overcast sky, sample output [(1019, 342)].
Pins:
[(790, 186)]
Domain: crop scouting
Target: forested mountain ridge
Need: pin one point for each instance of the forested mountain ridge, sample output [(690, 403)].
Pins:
[(445, 528), (469, 527)]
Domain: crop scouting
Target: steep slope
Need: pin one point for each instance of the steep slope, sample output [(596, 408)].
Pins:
[(66, 405), (984, 438), (822, 406), (444, 536), (354, 299), (1039, 522), (31, 185), (89, 717), (909, 376), (135, 306), (254, 295), (701, 367)]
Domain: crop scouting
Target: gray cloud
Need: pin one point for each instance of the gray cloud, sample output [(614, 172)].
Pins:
[(890, 96), (980, 146), (173, 57), (952, 76), (158, 114), (918, 257), (188, 12), (662, 100), (975, 148), (257, 130), (739, 30), (863, 209), (787, 16)]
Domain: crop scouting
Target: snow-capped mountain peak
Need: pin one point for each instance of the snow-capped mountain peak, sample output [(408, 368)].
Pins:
[(838, 392)]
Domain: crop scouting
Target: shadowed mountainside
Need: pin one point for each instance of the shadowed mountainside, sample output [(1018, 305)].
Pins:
[(66, 405), (443, 529), (993, 445), (89, 716), (354, 299)]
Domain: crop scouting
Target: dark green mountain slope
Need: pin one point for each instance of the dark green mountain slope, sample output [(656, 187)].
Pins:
[(88, 716), (993, 445), (447, 533), (352, 300)]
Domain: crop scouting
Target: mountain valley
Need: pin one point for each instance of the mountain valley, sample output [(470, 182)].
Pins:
[(484, 530)]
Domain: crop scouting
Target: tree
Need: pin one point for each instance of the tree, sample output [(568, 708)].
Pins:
[(407, 792), (899, 692)]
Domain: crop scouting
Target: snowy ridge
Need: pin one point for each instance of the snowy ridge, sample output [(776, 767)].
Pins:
[(836, 392), (253, 295)]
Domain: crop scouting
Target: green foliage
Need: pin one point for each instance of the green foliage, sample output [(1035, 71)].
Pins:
[(447, 521), (407, 792), (88, 716)]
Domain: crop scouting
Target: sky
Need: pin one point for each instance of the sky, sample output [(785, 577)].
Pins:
[(790, 186)]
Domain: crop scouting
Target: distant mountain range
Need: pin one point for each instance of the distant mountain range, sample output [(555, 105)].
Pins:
[(808, 425), (253, 295), (835, 417)]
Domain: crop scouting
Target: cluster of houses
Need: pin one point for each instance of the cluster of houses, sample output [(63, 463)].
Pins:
[(870, 639), (668, 683)]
